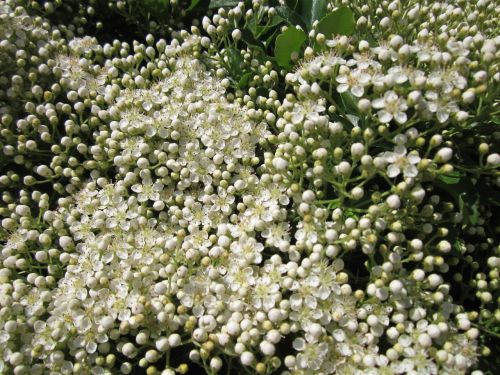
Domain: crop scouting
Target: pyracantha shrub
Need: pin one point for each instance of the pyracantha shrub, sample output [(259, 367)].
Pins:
[(175, 206)]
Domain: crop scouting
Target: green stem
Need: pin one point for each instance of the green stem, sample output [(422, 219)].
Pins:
[(485, 330)]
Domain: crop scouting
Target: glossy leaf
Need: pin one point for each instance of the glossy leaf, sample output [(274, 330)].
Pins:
[(450, 178), (339, 22), (216, 4), (488, 195), (193, 5), (290, 16), (465, 195), (286, 43), (312, 10), (244, 80), (251, 40)]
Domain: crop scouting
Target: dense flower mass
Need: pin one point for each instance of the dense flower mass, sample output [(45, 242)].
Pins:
[(189, 204)]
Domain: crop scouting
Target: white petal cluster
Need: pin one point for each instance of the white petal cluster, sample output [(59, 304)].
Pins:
[(155, 220)]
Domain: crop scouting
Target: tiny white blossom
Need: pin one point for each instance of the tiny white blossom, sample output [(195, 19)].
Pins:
[(399, 161), (391, 107)]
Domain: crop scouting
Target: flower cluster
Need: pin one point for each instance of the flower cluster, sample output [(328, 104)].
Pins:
[(161, 212)]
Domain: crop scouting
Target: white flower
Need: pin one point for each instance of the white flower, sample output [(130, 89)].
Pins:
[(97, 83), (447, 80), (276, 234), (75, 75), (311, 353), (118, 215), (148, 190), (308, 109), (391, 107), (365, 60), (307, 231), (355, 80), (133, 120), (399, 162), (247, 251), (33, 303), (271, 194), (83, 45), (399, 74), (424, 51), (238, 277), (385, 52), (222, 201), (265, 293), (442, 105)]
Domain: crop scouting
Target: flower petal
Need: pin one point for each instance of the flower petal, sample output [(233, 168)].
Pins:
[(400, 117), (343, 87), (384, 116), (297, 117), (299, 344), (393, 170), (341, 78), (358, 91), (400, 150), (413, 157), (410, 171), (378, 103)]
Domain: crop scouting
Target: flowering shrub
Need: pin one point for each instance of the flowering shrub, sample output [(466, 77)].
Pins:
[(306, 189)]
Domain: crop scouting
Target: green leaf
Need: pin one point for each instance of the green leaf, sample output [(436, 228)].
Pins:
[(488, 195), (258, 30), (354, 120), (269, 40), (286, 43), (291, 4), (251, 41), (339, 22), (234, 64), (349, 102), (216, 4), (193, 5), (157, 8), (459, 246), (312, 10), (351, 213), (468, 204), (252, 23), (275, 21), (465, 195), (290, 16), (451, 178), (245, 78)]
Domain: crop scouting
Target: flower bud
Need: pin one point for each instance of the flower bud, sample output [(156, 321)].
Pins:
[(444, 155), (267, 348)]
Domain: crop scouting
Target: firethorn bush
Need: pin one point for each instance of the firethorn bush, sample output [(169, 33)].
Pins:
[(260, 187)]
